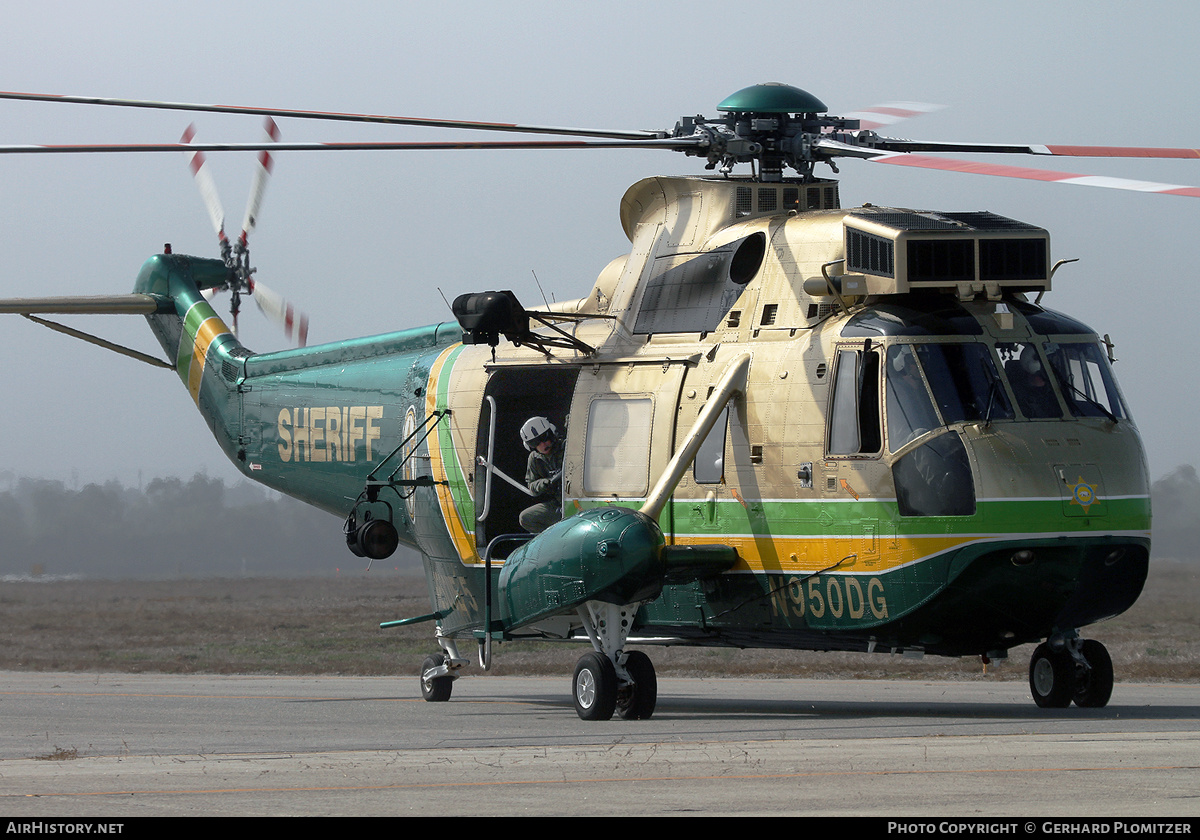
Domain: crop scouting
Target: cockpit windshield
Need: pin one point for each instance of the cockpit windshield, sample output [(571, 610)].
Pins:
[(965, 383), (931, 385), (1085, 379), (961, 379), (946, 363), (1029, 381), (909, 409)]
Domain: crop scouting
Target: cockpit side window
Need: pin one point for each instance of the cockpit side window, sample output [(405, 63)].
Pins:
[(1030, 381), (966, 385), (854, 427), (1086, 380), (908, 408)]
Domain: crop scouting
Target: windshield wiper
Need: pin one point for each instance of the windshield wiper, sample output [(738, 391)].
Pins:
[(1071, 386)]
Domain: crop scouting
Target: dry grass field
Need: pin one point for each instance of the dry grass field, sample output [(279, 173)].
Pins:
[(329, 625)]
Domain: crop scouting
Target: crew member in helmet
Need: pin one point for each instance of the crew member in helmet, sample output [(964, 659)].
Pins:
[(543, 474)]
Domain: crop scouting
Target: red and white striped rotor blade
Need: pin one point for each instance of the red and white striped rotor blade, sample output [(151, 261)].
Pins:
[(1116, 151), (198, 163), (890, 113), (261, 175), (281, 312), (1024, 172)]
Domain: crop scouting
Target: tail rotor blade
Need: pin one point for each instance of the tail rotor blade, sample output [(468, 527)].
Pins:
[(282, 313), (261, 175), (204, 180)]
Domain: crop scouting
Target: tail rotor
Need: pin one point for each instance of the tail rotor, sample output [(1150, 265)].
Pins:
[(236, 254)]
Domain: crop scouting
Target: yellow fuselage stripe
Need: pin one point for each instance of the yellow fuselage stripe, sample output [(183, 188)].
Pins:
[(464, 543), (209, 329)]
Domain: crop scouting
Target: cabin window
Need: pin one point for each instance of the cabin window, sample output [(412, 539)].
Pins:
[(854, 427), (709, 467), (1086, 380), (617, 457), (1029, 380)]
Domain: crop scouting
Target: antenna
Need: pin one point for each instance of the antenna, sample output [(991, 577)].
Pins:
[(540, 289)]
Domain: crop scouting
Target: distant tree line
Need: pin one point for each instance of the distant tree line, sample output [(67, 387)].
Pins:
[(1175, 499), (171, 528), (201, 528)]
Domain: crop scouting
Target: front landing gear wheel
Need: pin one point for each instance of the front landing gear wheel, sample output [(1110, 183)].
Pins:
[(637, 701), (595, 687), (1094, 684), (1052, 677), (435, 689)]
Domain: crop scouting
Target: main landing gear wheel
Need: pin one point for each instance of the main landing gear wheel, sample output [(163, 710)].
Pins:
[(1094, 684), (1052, 677), (595, 687), (636, 701), (435, 689)]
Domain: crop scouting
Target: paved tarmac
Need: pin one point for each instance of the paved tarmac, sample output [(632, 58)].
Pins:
[(121, 745)]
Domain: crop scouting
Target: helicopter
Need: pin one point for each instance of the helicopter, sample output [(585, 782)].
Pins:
[(777, 422)]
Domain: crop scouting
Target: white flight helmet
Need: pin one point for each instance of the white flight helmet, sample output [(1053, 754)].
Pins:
[(534, 428)]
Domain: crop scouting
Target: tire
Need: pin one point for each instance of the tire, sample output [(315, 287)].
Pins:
[(1094, 686), (1052, 677), (595, 687), (637, 701), (435, 689)]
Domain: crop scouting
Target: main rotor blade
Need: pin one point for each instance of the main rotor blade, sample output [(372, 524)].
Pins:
[(668, 143), (1117, 151), (891, 144), (332, 115), (975, 168), (890, 113)]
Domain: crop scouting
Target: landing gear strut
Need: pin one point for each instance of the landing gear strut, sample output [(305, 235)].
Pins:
[(1076, 670)]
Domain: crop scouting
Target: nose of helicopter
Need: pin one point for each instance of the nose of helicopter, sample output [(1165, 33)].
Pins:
[(1058, 478), (1065, 544)]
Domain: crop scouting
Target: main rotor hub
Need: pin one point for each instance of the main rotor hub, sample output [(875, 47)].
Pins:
[(769, 125)]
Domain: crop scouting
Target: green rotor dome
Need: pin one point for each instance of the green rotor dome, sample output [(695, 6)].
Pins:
[(773, 98)]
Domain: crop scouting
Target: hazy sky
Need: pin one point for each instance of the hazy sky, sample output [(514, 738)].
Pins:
[(363, 239)]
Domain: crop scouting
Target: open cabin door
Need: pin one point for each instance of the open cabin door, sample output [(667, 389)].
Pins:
[(623, 431), (512, 396)]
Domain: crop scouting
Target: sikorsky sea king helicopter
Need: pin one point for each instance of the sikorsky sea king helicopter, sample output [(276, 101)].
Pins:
[(783, 424)]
